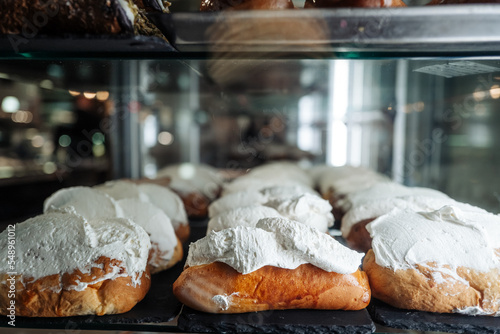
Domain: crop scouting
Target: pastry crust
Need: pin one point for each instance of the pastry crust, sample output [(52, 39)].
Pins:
[(218, 288), (157, 264), (196, 205), (359, 238), (53, 296), (183, 232), (417, 289)]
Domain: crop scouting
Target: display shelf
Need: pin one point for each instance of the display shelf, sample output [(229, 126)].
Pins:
[(392, 317), (419, 32), (450, 30)]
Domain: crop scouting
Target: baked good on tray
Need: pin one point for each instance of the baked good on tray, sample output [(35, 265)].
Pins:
[(279, 264), (353, 3), (354, 222), (66, 266), (445, 261), (166, 249), (165, 199), (56, 17), (197, 184), (335, 183)]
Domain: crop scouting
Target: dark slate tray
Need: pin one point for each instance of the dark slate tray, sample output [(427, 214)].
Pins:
[(287, 321), (153, 313), (389, 316)]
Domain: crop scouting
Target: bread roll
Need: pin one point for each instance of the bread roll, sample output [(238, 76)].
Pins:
[(445, 261), (74, 266), (218, 288), (355, 220), (279, 264)]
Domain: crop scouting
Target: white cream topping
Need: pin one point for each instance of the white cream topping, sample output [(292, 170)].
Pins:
[(166, 200), (345, 179), (475, 310), (286, 191), (383, 190), (61, 242), (186, 178), (243, 216), (263, 194), (154, 221), (275, 242), (235, 200), (257, 184), (308, 209), (121, 190), (88, 202), (447, 237), (376, 208)]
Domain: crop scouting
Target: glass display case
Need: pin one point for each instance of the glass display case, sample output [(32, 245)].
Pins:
[(413, 93)]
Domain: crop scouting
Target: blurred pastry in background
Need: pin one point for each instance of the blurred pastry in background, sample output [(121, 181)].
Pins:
[(198, 185)]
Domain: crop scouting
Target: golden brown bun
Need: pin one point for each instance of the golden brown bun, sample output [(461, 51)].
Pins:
[(40, 299), (415, 289), (333, 198), (359, 238), (271, 288), (353, 3), (183, 232), (196, 205), (157, 264), (216, 5)]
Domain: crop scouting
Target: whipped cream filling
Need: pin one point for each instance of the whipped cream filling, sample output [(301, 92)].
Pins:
[(154, 221), (187, 178), (87, 202), (448, 237), (261, 195), (383, 190), (235, 200), (92, 203), (121, 190), (375, 208), (346, 179), (166, 200), (258, 183), (61, 242), (308, 209), (275, 242), (243, 216)]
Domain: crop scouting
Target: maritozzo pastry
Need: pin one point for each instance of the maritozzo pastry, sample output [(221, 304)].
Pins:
[(445, 261), (279, 264), (91, 203), (75, 266)]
